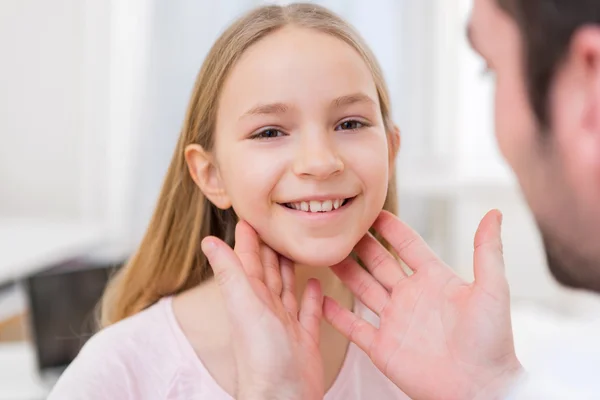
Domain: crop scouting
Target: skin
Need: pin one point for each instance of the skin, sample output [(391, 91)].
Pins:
[(278, 140)]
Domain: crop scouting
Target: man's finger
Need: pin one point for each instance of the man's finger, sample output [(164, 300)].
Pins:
[(247, 248), (362, 284), (488, 259), (380, 263), (311, 309), (355, 329), (235, 287), (409, 246)]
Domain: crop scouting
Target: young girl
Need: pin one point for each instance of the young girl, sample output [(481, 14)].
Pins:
[(288, 129)]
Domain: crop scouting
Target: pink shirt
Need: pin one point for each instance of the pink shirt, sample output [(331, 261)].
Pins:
[(148, 357)]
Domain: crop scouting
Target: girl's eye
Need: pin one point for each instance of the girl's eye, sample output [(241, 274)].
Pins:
[(349, 125), (268, 134)]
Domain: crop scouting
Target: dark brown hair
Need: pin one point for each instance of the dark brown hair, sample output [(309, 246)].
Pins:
[(547, 27)]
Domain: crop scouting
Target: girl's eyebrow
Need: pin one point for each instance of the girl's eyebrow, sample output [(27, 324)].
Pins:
[(352, 99), (282, 108), (261, 109)]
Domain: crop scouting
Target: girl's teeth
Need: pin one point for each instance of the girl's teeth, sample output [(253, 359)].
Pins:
[(317, 206)]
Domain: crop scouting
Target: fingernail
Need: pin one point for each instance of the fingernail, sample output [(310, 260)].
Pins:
[(500, 217), (208, 247)]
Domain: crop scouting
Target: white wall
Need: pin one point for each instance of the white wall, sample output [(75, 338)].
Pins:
[(41, 109)]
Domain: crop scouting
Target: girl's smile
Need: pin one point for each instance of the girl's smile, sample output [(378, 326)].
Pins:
[(319, 208)]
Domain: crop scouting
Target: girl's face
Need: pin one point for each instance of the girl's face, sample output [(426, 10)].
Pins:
[(301, 151)]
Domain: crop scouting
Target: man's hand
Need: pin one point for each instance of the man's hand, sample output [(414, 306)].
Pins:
[(439, 336)]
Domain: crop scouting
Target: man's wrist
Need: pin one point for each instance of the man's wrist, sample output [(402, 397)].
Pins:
[(504, 386)]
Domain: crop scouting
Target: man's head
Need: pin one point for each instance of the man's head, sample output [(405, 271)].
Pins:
[(545, 55)]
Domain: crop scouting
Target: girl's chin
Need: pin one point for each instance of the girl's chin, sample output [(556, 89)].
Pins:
[(315, 252), (319, 260)]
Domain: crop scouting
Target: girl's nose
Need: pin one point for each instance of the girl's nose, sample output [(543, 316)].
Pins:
[(317, 158)]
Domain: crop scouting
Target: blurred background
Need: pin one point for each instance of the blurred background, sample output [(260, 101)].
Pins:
[(92, 97)]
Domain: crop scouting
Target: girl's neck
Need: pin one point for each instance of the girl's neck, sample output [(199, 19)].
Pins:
[(332, 345), (204, 302), (330, 284)]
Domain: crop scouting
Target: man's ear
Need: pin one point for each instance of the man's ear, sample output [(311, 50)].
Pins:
[(206, 175), (589, 43), (575, 111), (584, 63)]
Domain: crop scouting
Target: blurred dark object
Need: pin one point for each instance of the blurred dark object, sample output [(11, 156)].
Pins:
[(63, 310)]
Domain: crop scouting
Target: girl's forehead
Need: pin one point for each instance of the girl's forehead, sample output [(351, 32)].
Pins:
[(294, 64)]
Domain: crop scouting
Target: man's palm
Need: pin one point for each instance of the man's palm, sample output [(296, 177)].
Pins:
[(439, 337)]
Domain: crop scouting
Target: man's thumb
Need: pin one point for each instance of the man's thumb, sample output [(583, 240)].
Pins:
[(488, 259)]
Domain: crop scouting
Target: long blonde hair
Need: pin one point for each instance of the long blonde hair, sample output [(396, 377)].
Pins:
[(169, 259)]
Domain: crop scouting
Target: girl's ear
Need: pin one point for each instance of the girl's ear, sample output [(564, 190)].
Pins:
[(394, 143), (206, 175)]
